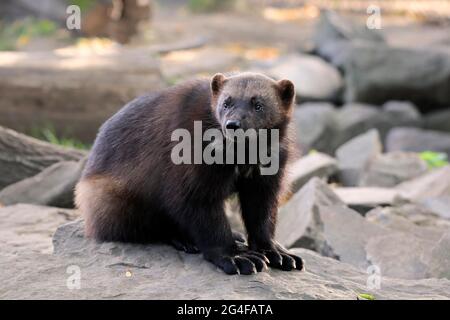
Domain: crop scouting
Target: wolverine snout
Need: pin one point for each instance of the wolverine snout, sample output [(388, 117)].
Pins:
[(233, 124)]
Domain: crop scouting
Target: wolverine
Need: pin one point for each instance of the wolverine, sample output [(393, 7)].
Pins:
[(132, 191)]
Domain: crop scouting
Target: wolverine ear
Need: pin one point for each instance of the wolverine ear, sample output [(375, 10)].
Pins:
[(217, 82), (287, 92)]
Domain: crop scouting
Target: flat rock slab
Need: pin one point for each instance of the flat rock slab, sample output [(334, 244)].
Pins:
[(127, 271), (368, 196), (434, 184), (29, 228), (54, 186), (315, 164)]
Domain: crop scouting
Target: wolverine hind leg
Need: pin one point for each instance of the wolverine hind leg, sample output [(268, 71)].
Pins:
[(111, 212)]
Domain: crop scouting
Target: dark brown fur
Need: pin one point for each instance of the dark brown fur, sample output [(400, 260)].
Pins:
[(131, 191)]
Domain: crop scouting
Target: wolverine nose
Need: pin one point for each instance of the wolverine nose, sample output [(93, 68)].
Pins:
[(233, 124)]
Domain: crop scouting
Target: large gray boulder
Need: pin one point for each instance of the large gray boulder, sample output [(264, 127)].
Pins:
[(422, 77), (314, 164), (314, 126), (308, 73), (434, 184), (336, 36), (22, 156), (54, 186), (355, 157), (417, 140), (419, 249), (317, 219), (37, 88), (322, 127), (390, 169)]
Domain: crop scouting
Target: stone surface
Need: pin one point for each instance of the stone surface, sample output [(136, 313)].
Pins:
[(368, 196), (438, 121), (54, 186), (314, 126), (434, 184), (438, 205), (390, 169), (308, 73), (22, 156), (417, 140), (356, 118), (29, 228), (422, 77), (129, 271), (315, 218), (355, 156), (415, 249), (315, 164)]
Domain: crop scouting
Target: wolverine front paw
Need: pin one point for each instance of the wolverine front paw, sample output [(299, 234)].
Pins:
[(279, 257), (240, 262)]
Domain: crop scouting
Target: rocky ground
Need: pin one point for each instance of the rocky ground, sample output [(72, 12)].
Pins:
[(370, 204)]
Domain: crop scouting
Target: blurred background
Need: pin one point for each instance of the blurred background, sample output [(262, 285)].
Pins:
[(59, 84)]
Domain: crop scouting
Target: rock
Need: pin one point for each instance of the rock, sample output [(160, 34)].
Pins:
[(390, 169), (356, 118), (129, 271), (54, 186), (29, 228), (413, 220), (322, 127), (335, 37), (438, 205), (368, 197), (402, 112), (418, 235), (315, 218), (314, 124), (315, 164), (434, 184), (417, 140), (351, 121), (438, 121), (355, 156), (422, 77), (394, 262), (307, 73), (83, 87), (440, 259), (22, 156)]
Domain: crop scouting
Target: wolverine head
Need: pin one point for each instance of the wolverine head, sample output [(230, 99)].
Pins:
[(251, 101)]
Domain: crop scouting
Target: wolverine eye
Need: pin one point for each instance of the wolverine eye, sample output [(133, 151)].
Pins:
[(258, 107), (227, 103)]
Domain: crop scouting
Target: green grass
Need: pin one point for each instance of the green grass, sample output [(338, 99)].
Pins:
[(365, 296), (434, 159), (20, 32), (48, 134), (209, 5)]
